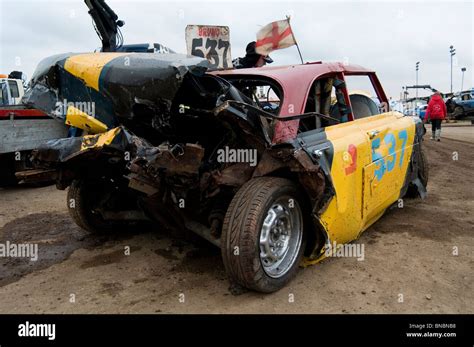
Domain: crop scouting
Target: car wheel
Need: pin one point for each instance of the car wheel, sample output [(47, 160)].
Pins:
[(81, 197), (458, 112), (263, 234)]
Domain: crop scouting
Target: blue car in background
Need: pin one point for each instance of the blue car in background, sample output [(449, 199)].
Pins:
[(461, 105), (421, 111)]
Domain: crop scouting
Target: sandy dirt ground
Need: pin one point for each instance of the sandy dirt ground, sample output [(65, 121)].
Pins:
[(461, 131), (423, 251)]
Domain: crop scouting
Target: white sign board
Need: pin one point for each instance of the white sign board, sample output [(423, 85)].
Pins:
[(210, 42)]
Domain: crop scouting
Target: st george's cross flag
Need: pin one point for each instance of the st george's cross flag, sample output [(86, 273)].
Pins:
[(276, 35)]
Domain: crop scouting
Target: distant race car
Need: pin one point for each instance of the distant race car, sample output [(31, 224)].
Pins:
[(461, 105), (274, 180)]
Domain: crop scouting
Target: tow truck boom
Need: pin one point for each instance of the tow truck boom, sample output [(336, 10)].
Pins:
[(106, 23)]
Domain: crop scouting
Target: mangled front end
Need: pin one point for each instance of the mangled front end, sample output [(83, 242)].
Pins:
[(167, 143)]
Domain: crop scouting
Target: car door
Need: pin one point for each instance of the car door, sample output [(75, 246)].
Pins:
[(390, 137), (467, 103), (342, 151)]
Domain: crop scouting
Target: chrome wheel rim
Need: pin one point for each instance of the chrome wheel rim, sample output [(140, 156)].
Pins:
[(280, 237)]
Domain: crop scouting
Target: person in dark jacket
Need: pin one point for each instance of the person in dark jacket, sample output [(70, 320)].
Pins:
[(436, 112), (251, 59)]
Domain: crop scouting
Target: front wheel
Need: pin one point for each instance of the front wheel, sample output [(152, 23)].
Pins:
[(458, 112), (263, 234)]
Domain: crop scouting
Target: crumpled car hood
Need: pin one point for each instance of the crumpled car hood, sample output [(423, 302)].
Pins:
[(114, 82)]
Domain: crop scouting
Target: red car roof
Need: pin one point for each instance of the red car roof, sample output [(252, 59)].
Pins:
[(295, 79), (308, 70)]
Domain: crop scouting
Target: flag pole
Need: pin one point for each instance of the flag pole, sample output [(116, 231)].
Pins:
[(296, 42)]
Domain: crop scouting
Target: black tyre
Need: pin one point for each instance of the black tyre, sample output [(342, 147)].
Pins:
[(88, 199), (82, 197), (263, 234), (458, 112), (423, 169)]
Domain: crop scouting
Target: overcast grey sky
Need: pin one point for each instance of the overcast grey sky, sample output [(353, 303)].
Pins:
[(387, 36)]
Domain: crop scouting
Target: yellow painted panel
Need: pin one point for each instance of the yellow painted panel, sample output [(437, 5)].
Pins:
[(384, 179), (360, 200), (342, 218), (81, 120), (99, 140), (88, 66)]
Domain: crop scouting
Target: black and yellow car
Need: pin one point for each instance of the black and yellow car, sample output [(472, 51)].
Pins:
[(273, 187)]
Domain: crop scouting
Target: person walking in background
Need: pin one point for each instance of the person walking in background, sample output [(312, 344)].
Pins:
[(436, 112)]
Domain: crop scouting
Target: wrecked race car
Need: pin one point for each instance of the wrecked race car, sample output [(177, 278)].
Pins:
[(273, 165)]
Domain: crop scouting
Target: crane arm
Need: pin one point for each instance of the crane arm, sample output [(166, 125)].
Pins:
[(106, 23)]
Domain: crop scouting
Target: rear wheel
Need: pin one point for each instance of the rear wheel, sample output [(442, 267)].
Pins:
[(263, 234), (423, 169), (421, 163), (88, 200)]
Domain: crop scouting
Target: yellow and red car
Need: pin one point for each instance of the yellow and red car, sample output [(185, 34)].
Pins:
[(273, 165)]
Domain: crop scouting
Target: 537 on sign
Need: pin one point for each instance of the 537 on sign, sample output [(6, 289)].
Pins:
[(210, 42)]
